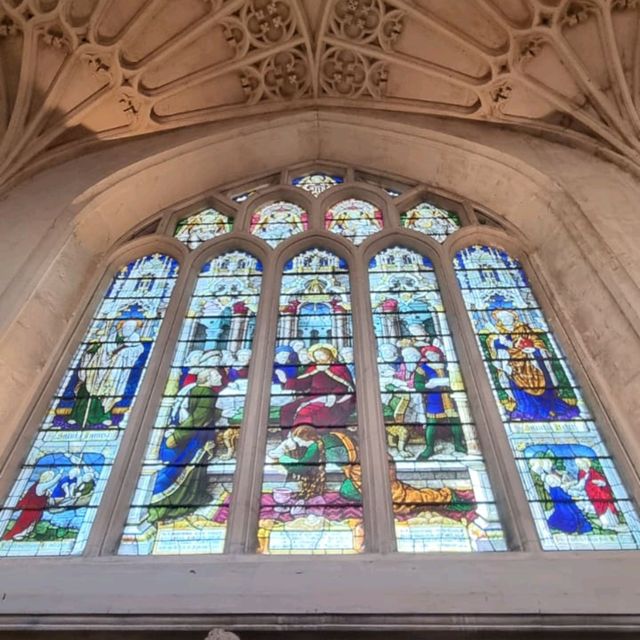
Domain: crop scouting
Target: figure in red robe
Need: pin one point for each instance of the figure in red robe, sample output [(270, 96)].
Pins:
[(328, 388), (599, 492), (33, 503)]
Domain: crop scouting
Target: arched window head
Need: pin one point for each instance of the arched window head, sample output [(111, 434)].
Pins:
[(278, 221), (442, 499), (312, 490), (184, 491), (316, 183), (202, 226), (574, 491), (431, 220), (53, 503), (354, 219)]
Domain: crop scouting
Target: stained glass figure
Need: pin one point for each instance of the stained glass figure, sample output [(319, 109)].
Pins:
[(182, 501), (431, 220), (354, 219), (278, 221), (317, 183), (202, 226), (53, 503), (312, 489), (441, 494), (576, 496)]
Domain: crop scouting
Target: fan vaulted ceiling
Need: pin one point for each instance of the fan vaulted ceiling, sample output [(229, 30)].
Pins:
[(76, 71)]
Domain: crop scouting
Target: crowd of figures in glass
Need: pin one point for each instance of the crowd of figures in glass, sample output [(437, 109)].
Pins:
[(182, 500), (440, 489), (202, 226), (575, 493), (278, 221), (316, 183), (431, 220), (312, 490), (354, 219), (53, 503)]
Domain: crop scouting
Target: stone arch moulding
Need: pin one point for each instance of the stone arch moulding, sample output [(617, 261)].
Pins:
[(42, 298)]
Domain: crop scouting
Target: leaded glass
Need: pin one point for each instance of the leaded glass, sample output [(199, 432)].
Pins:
[(354, 219), (431, 220), (182, 501), (53, 503), (312, 488), (316, 183), (442, 499), (278, 221), (576, 496), (202, 226)]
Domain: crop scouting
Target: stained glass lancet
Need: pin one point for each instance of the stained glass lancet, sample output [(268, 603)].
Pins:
[(575, 494), (312, 489), (317, 183), (182, 500), (431, 220), (53, 503), (442, 498), (278, 221), (354, 219), (202, 226)]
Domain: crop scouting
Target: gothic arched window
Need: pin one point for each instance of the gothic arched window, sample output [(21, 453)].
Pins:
[(208, 404)]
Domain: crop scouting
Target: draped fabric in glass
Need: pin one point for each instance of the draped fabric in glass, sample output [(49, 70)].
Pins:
[(576, 496), (442, 499), (53, 503), (312, 489), (182, 501)]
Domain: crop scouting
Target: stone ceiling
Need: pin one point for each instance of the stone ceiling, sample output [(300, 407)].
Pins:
[(76, 71)]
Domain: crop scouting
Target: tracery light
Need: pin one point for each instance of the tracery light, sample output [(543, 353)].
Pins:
[(574, 491), (277, 221), (312, 489), (442, 498), (433, 221), (52, 506), (354, 219), (202, 226), (182, 501), (317, 183)]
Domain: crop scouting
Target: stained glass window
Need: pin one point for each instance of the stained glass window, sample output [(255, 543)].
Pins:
[(181, 504), (278, 221), (442, 498), (317, 183), (53, 503), (576, 496), (431, 220), (354, 219), (202, 226), (312, 489)]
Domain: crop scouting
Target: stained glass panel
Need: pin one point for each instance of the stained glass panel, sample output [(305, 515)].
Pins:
[(202, 226), (354, 219), (182, 501), (278, 221), (53, 503), (317, 183), (441, 494), (312, 488), (431, 220), (576, 496)]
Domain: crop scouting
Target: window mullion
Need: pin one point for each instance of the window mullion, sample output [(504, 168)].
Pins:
[(505, 479), (379, 522), (242, 527)]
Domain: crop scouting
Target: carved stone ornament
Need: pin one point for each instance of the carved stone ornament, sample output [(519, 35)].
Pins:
[(268, 22), (221, 634)]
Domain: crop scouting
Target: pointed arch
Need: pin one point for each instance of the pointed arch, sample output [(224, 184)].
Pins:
[(312, 485), (574, 491)]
